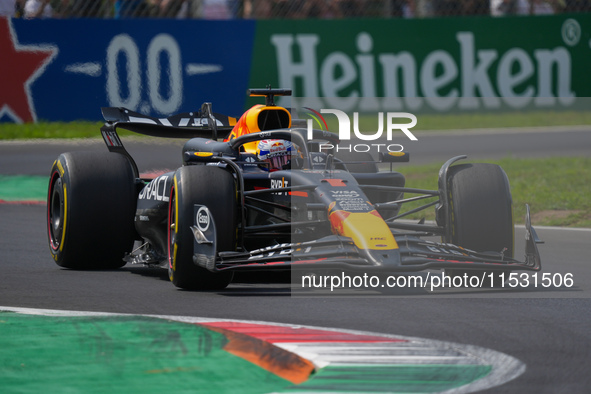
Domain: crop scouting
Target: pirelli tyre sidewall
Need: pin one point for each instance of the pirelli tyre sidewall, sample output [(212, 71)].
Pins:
[(214, 188), (480, 210), (90, 209)]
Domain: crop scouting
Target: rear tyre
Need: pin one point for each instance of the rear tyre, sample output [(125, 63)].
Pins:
[(214, 188), (481, 213), (90, 209)]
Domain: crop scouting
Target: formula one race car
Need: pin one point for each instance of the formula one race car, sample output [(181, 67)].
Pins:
[(268, 197)]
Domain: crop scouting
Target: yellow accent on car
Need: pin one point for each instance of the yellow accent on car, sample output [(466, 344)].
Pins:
[(59, 166), (368, 231), (203, 154), (269, 120)]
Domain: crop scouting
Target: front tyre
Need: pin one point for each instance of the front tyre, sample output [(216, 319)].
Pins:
[(480, 211), (90, 210), (215, 189)]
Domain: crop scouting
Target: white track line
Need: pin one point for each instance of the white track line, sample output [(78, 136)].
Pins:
[(504, 367)]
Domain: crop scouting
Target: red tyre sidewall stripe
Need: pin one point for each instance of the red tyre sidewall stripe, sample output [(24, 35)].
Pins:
[(171, 199)]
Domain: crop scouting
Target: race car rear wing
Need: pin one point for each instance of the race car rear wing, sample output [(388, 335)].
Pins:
[(203, 123)]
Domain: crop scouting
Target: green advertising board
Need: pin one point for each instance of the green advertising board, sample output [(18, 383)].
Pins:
[(464, 64)]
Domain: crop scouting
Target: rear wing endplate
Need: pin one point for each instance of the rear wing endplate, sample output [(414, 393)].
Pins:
[(203, 123)]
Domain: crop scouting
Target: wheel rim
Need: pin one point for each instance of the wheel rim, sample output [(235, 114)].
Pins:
[(55, 214), (171, 228)]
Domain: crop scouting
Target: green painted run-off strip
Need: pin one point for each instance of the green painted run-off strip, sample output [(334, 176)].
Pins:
[(127, 354), (23, 188), (121, 355)]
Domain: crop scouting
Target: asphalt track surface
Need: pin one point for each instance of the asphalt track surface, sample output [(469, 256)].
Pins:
[(34, 158), (548, 329)]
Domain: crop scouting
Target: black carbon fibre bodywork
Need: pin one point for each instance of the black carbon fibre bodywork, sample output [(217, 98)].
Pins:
[(314, 211)]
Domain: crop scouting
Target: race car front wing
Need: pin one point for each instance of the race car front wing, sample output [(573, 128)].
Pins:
[(413, 254)]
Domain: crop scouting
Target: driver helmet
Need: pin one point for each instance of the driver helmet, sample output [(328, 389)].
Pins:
[(276, 153)]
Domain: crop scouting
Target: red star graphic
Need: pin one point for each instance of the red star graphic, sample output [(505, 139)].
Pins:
[(20, 66)]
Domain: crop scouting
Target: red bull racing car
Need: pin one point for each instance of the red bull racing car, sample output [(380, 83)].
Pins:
[(257, 193)]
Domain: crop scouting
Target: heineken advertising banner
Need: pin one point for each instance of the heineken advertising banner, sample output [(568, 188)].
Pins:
[(159, 67), (429, 64)]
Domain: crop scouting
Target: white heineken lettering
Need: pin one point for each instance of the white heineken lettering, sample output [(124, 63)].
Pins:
[(405, 64), (366, 64), (518, 61), (432, 81), (547, 59), (475, 75), (382, 81), (290, 70)]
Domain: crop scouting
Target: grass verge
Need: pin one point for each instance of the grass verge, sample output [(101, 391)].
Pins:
[(13, 131), (426, 122), (556, 189), (10, 131)]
